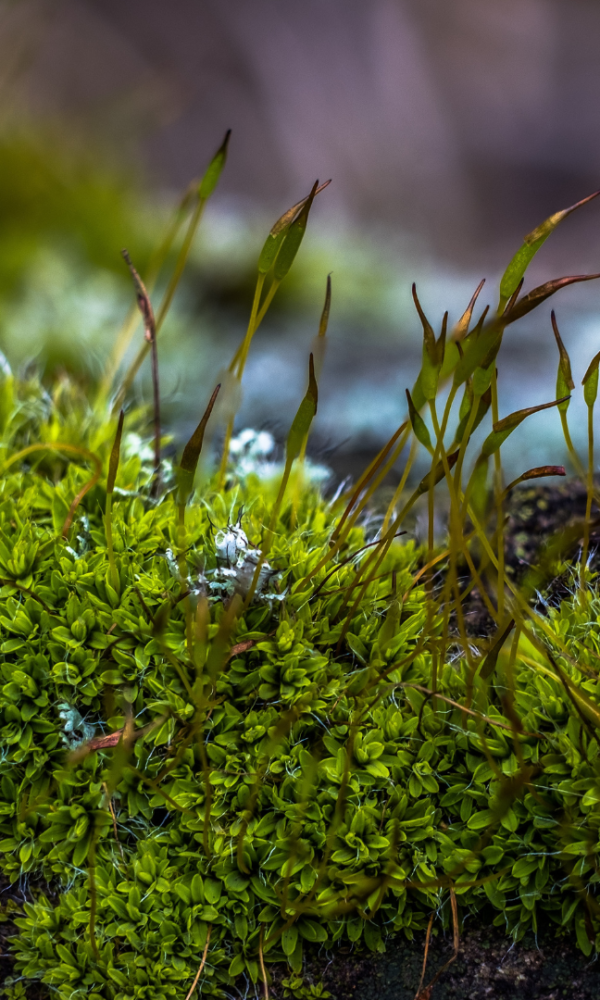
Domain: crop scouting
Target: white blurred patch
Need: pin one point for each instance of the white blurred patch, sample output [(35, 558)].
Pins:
[(253, 452)]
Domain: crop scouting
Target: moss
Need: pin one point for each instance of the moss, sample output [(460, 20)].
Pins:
[(294, 786), (241, 719)]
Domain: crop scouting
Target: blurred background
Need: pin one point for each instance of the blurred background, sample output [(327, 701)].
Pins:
[(450, 130)]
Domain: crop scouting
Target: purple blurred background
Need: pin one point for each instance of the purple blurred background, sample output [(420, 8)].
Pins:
[(463, 121)]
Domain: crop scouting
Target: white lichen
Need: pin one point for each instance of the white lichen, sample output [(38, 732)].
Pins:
[(238, 562), (75, 729), (235, 569)]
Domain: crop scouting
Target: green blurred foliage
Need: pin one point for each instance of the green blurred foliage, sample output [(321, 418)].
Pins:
[(65, 214), (51, 194)]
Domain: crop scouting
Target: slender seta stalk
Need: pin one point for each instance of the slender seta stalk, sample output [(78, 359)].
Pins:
[(236, 368), (113, 465), (186, 472), (588, 504), (498, 495), (276, 258), (590, 393), (145, 307), (205, 189), (298, 431), (154, 267)]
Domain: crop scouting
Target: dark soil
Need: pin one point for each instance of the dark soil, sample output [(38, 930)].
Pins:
[(540, 515), (544, 525), (487, 968)]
